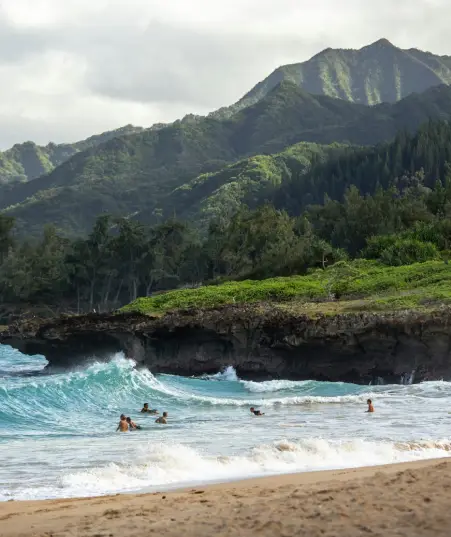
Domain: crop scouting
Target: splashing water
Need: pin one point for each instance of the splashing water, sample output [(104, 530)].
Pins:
[(57, 432)]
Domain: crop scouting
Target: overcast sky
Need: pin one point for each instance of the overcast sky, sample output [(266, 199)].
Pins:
[(72, 68)]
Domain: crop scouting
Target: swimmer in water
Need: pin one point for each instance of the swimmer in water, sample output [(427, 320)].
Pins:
[(146, 408), (162, 419), (123, 425), (132, 424), (256, 412), (370, 406)]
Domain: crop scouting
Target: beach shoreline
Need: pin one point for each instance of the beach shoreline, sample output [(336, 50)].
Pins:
[(397, 499)]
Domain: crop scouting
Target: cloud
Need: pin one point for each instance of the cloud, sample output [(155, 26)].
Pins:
[(73, 68)]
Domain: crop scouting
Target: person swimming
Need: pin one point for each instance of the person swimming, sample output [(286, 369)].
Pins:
[(162, 419), (256, 412), (146, 408), (370, 406), (123, 425), (132, 425)]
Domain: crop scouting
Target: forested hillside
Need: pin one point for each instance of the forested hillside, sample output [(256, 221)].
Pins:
[(135, 175), (26, 161), (393, 206), (428, 152), (251, 181)]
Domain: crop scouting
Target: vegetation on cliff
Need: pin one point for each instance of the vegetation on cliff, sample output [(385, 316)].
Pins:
[(354, 286)]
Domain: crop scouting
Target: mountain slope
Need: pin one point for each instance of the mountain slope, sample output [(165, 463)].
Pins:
[(136, 173), (251, 181), (26, 161), (377, 73), (411, 162)]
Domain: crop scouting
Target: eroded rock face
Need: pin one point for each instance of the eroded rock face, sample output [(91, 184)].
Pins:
[(261, 342)]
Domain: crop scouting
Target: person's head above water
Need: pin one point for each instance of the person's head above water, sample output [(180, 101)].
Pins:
[(122, 416), (146, 405), (165, 414), (252, 409), (129, 420), (369, 402)]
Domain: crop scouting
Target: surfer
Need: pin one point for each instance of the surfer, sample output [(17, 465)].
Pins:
[(256, 412), (123, 425), (132, 425), (370, 406), (146, 408), (162, 419)]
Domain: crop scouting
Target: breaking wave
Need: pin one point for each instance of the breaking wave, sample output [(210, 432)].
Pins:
[(57, 430), (161, 466)]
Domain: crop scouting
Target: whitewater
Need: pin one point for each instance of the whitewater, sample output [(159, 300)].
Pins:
[(58, 439)]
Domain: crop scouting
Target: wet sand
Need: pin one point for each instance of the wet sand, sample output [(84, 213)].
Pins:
[(411, 500)]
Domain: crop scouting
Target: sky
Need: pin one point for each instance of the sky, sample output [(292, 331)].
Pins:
[(73, 68)]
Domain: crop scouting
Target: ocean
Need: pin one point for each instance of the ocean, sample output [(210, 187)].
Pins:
[(58, 439)]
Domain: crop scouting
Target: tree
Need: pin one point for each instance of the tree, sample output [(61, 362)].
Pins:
[(6, 239), (90, 262), (130, 251)]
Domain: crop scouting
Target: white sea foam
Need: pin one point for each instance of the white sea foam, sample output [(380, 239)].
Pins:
[(162, 466), (275, 385), (227, 374)]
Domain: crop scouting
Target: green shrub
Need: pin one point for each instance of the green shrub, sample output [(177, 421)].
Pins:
[(390, 287), (409, 251), (375, 246)]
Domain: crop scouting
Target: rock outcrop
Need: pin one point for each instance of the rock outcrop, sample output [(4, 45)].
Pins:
[(260, 341)]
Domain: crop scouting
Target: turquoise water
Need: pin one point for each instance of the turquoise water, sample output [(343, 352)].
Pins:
[(58, 439)]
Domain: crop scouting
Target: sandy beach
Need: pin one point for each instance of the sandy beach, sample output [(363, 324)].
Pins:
[(409, 499)]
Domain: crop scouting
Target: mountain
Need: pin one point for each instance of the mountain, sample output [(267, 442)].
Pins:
[(136, 174), (26, 161), (412, 162), (377, 73), (252, 181)]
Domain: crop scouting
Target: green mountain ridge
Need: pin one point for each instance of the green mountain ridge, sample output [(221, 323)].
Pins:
[(377, 73), (380, 72), (27, 161), (136, 174), (305, 173), (252, 181)]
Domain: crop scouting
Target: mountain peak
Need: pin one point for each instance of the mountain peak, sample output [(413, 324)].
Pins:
[(379, 72), (381, 43)]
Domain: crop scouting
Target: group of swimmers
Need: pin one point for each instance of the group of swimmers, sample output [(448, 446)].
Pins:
[(126, 424)]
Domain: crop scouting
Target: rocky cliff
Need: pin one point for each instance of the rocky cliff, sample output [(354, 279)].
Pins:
[(260, 341)]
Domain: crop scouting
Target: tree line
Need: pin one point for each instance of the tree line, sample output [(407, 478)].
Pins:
[(382, 166), (122, 259)]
